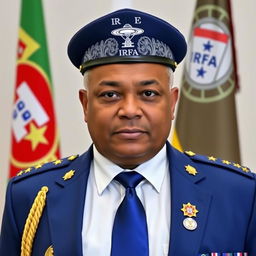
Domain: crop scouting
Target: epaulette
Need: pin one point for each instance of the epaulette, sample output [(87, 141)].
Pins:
[(221, 163), (56, 164)]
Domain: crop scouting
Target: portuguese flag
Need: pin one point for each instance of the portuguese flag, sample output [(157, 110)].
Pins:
[(34, 134), (206, 120)]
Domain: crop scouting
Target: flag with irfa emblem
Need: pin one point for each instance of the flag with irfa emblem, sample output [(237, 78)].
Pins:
[(34, 131), (206, 118)]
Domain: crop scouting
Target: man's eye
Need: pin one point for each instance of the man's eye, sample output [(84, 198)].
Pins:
[(109, 94), (149, 93)]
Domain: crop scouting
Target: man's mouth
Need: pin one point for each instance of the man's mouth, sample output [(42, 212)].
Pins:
[(129, 133)]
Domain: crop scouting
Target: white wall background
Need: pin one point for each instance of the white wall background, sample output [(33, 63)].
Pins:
[(63, 18)]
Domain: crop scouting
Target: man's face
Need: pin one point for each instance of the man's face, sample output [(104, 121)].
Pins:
[(129, 109)]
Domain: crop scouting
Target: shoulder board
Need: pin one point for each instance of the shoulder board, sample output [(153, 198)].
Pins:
[(221, 163), (56, 164)]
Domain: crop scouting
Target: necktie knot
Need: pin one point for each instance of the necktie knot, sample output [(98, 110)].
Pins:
[(129, 179)]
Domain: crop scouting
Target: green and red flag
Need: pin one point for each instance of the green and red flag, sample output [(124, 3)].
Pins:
[(206, 118), (35, 138)]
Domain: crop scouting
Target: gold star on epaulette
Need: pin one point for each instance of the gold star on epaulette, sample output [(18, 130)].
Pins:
[(190, 153), (191, 170), (226, 162), (19, 173), (57, 162), (27, 170), (69, 175), (38, 166), (212, 158), (245, 169), (71, 158), (237, 165)]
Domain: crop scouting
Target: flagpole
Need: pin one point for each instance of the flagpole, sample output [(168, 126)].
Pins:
[(233, 46)]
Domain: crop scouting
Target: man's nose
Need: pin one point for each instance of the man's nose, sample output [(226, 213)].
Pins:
[(130, 108)]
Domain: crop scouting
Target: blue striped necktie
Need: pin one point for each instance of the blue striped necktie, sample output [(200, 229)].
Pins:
[(130, 233)]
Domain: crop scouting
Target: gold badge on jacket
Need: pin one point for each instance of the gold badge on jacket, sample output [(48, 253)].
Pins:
[(49, 251), (189, 210)]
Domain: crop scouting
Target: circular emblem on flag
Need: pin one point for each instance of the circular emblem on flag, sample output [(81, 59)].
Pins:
[(208, 68), (34, 132)]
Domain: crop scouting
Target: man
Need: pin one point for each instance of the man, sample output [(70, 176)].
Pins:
[(131, 193)]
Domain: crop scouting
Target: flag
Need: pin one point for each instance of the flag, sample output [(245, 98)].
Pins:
[(206, 120), (34, 136)]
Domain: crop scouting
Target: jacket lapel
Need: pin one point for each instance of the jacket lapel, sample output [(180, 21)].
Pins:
[(185, 189), (65, 205)]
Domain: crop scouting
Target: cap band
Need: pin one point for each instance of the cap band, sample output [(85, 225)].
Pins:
[(128, 59)]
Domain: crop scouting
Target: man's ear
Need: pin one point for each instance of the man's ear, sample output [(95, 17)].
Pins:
[(174, 97), (83, 96)]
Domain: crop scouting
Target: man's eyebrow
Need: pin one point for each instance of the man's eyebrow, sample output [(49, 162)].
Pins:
[(109, 83), (118, 84), (148, 82)]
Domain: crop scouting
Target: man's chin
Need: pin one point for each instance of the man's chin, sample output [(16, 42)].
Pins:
[(130, 154)]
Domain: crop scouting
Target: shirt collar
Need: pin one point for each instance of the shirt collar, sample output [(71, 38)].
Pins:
[(152, 170), (155, 169)]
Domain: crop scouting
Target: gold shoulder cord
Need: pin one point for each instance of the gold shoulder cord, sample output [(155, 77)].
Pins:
[(32, 221)]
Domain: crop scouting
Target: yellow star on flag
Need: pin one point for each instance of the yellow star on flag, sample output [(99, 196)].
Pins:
[(36, 136)]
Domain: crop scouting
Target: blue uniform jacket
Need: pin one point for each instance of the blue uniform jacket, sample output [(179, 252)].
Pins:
[(223, 193)]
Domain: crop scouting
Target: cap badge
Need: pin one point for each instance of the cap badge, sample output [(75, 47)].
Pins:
[(190, 224), (189, 210), (69, 175), (127, 32), (191, 170)]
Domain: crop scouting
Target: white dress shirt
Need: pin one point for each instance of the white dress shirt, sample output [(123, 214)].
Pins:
[(104, 195)]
